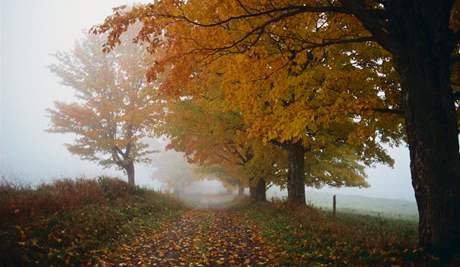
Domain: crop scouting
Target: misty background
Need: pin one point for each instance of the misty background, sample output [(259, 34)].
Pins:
[(32, 30)]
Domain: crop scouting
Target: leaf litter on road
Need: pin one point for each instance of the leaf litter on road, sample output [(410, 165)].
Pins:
[(198, 238)]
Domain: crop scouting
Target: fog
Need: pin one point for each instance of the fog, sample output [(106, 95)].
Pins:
[(32, 30)]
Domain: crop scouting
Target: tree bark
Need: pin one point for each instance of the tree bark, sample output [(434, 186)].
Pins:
[(252, 192), (261, 190), (258, 192), (432, 131), (296, 174), (130, 172), (432, 135)]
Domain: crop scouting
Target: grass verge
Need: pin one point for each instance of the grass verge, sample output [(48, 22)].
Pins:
[(73, 222), (312, 237)]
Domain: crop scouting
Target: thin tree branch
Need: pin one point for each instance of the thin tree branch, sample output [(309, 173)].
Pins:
[(243, 7), (388, 111), (290, 10), (338, 41), (373, 24)]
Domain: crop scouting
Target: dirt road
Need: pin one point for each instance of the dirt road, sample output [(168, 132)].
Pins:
[(198, 238)]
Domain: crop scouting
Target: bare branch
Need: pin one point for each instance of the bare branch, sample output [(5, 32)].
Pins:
[(373, 24), (117, 149), (339, 41), (288, 10), (388, 111), (243, 7)]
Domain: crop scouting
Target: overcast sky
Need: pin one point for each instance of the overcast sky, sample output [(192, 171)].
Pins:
[(31, 30)]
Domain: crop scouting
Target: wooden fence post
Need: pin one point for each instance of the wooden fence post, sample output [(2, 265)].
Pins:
[(333, 206)]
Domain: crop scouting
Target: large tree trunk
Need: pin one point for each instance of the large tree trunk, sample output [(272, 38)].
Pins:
[(258, 192), (417, 34), (130, 172), (296, 173), (432, 130), (432, 135), (261, 190)]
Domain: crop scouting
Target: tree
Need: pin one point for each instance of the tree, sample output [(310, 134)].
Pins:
[(210, 134), (224, 175), (310, 105), (423, 40), (172, 169), (216, 142), (277, 107), (116, 106)]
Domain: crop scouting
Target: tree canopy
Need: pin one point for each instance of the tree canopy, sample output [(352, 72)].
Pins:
[(319, 66), (116, 104)]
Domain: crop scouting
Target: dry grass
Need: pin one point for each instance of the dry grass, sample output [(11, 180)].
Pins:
[(71, 222)]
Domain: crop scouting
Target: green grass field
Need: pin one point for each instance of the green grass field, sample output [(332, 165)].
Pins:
[(378, 207), (312, 237)]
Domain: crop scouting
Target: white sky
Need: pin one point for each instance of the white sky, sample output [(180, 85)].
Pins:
[(31, 30)]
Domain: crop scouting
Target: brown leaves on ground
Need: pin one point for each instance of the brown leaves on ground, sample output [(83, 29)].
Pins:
[(198, 238)]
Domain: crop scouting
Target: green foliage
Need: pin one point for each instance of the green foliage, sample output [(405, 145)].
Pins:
[(72, 222)]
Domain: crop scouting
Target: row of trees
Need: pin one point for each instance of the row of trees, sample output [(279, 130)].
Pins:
[(306, 92), (217, 138), (118, 108)]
